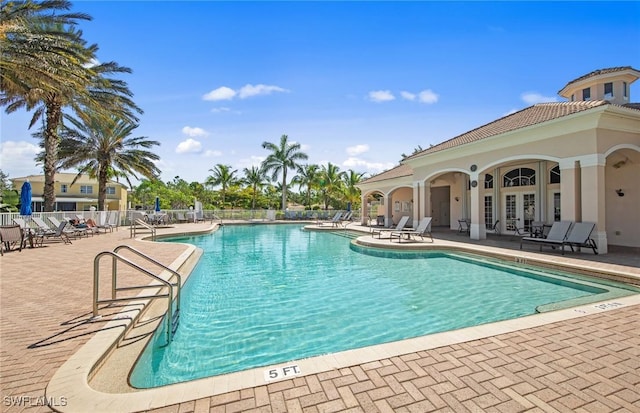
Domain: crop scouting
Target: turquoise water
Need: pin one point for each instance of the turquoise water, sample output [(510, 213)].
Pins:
[(267, 294)]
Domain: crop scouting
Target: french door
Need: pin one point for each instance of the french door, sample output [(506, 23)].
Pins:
[(519, 211)]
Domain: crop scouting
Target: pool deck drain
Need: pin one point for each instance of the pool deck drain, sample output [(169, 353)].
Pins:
[(589, 363)]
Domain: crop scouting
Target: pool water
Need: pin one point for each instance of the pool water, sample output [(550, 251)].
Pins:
[(266, 294)]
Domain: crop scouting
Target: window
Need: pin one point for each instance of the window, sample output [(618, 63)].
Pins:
[(556, 206), (608, 90), (64, 188), (554, 175), (573, 97), (86, 189), (488, 212), (111, 190), (488, 181), (624, 89), (586, 94), (519, 177)]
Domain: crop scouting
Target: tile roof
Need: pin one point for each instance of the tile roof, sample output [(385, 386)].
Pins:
[(542, 112), (396, 172), (600, 72)]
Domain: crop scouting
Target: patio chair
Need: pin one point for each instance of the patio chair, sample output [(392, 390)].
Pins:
[(335, 220), (556, 237), (401, 224), (344, 220), (27, 231), (464, 226), (424, 228), (61, 231), (42, 227), (66, 228), (580, 236), (10, 237), (180, 217)]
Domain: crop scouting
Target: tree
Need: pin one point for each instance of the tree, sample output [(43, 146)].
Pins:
[(255, 178), (43, 66), (103, 149), (330, 182), (282, 158), (308, 176), (351, 193), (222, 175)]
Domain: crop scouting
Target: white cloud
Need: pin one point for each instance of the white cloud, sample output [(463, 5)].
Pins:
[(212, 153), (358, 164), (189, 131), (248, 90), (511, 112), (408, 95), (357, 149), (253, 160), (428, 96), (189, 146), (381, 96), (17, 158), (531, 98), (304, 147), (221, 93), (220, 110)]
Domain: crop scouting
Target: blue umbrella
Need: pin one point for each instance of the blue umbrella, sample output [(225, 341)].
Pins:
[(157, 204), (25, 199)]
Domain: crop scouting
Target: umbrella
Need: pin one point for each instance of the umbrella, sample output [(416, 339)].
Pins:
[(157, 204), (25, 199)]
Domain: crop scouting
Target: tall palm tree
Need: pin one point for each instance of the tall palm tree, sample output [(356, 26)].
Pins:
[(256, 178), (103, 148), (222, 175), (349, 180), (308, 175), (50, 67), (282, 158), (330, 182)]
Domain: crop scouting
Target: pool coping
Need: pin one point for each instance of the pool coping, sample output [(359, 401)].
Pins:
[(72, 379)]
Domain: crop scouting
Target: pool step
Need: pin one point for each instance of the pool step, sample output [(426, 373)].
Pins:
[(347, 234), (175, 321)]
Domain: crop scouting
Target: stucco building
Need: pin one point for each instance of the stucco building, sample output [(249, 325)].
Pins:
[(576, 160), (79, 196)]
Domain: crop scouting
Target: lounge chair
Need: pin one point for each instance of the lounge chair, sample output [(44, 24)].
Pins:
[(556, 237), (180, 217), (335, 220), (61, 231), (401, 224), (424, 228), (346, 219), (580, 236), (11, 236), (463, 226), (67, 229), (42, 227)]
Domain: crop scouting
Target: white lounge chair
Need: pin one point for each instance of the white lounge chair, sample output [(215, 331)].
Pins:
[(580, 236), (424, 228), (401, 224), (556, 237)]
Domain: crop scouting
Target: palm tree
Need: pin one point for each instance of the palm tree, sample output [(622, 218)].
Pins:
[(223, 176), (330, 182), (102, 148), (308, 176), (282, 158), (256, 178), (50, 67), (349, 180), (44, 61)]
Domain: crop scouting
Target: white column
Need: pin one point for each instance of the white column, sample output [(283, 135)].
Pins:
[(388, 210), (569, 189), (478, 229), (364, 219), (593, 205), (416, 204)]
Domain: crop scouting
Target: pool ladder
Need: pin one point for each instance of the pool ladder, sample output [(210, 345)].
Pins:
[(168, 288)]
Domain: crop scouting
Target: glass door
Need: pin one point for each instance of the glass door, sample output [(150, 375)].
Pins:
[(519, 212)]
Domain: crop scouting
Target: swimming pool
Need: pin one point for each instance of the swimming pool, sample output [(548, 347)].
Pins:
[(267, 294)]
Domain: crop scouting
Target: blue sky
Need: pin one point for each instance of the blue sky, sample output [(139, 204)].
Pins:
[(355, 83)]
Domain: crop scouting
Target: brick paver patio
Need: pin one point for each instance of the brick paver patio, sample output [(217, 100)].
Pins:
[(589, 364)]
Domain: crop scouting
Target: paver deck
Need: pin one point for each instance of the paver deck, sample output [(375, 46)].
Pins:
[(587, 364)]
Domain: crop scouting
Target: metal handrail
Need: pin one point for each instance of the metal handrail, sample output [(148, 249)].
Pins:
[(140, 222), (170, 295)]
